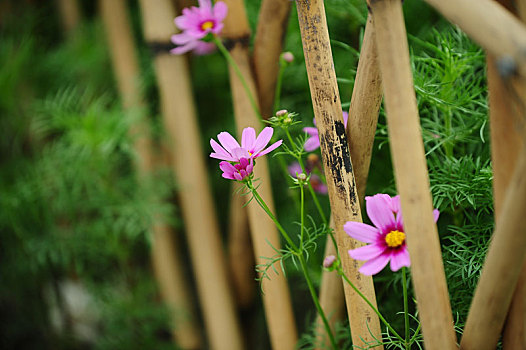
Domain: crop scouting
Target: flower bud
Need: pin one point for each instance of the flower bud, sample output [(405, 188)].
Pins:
[(287, 56), (302, 177), (281, 113), (328, 262)]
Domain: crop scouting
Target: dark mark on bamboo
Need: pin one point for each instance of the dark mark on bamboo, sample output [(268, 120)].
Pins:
[(243, 41), (160, 47)]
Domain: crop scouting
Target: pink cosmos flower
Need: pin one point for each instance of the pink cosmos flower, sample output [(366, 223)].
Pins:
[(251, 146), (313, 142), (386, 238), (315, 181), (237, 171), (196, 23)]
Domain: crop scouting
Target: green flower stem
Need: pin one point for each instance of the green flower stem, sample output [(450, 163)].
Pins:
[(234, 65), (314, 296), (263, 205), (341, 273), (311, 190), (406, 309), (302, 214)]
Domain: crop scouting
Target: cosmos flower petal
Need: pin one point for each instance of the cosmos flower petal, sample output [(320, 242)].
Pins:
[(263, 139), (379, 211), (229, 176), (184, 48), (181, 39), (205, 5), (220, 11), (311, 131), (436, 214), (395, 204), (248, 138), (204, 48), (240, 152), (218, 149), (400, 258), (270, 148), (294, 169), (227, 141), (218, 27), (345, 118), (367, 252), (312, 143), (373, 266), (227, 167), (362, 232)]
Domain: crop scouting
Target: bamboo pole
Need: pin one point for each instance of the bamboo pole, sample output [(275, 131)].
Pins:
[(407, 151), (203, 238), (361, 126), (490, 25), (365, 326), (69, 14), (506, 141), (268, 45), (166, 262), (240, 252), (501, 271), (276, 296)]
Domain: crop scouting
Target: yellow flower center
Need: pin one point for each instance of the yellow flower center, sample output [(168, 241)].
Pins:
[(394, 239), (207, 25)]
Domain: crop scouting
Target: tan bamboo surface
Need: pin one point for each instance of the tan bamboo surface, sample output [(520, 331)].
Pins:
[(276, 295), (501, 271), (490, 25), (343, 197), (332, 299), (407, 151), (361, 126), (506, 143), (165, 260), (179, 118), (268, 45), (240, 252), (69, 14)]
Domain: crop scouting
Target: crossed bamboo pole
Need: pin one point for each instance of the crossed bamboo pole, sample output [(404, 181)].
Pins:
[(276, 296), (361, 126), (166, 262), (364, 323), (180, 123), (407, 151), (506, 143)]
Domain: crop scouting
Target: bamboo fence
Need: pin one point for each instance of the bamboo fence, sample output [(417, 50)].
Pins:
[(165, 259), (276, 296), (180, 123), (364, 323), (407, 151)]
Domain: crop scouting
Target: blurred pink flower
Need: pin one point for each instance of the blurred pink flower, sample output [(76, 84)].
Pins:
[(386, 237), (250, 148), (238, 171), (315, 181), (313, 142), (196, 23)]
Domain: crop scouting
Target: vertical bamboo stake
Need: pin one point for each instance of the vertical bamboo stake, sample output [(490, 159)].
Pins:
[(164, 257), (506, 143), (276, 297), (196, 202), (240, 252), (505, 258), (365, 326), (361, 126), (268, 44), (412, 180), (70, 14)]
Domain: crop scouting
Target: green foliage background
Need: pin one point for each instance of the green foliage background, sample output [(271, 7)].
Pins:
[(71, 207)]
